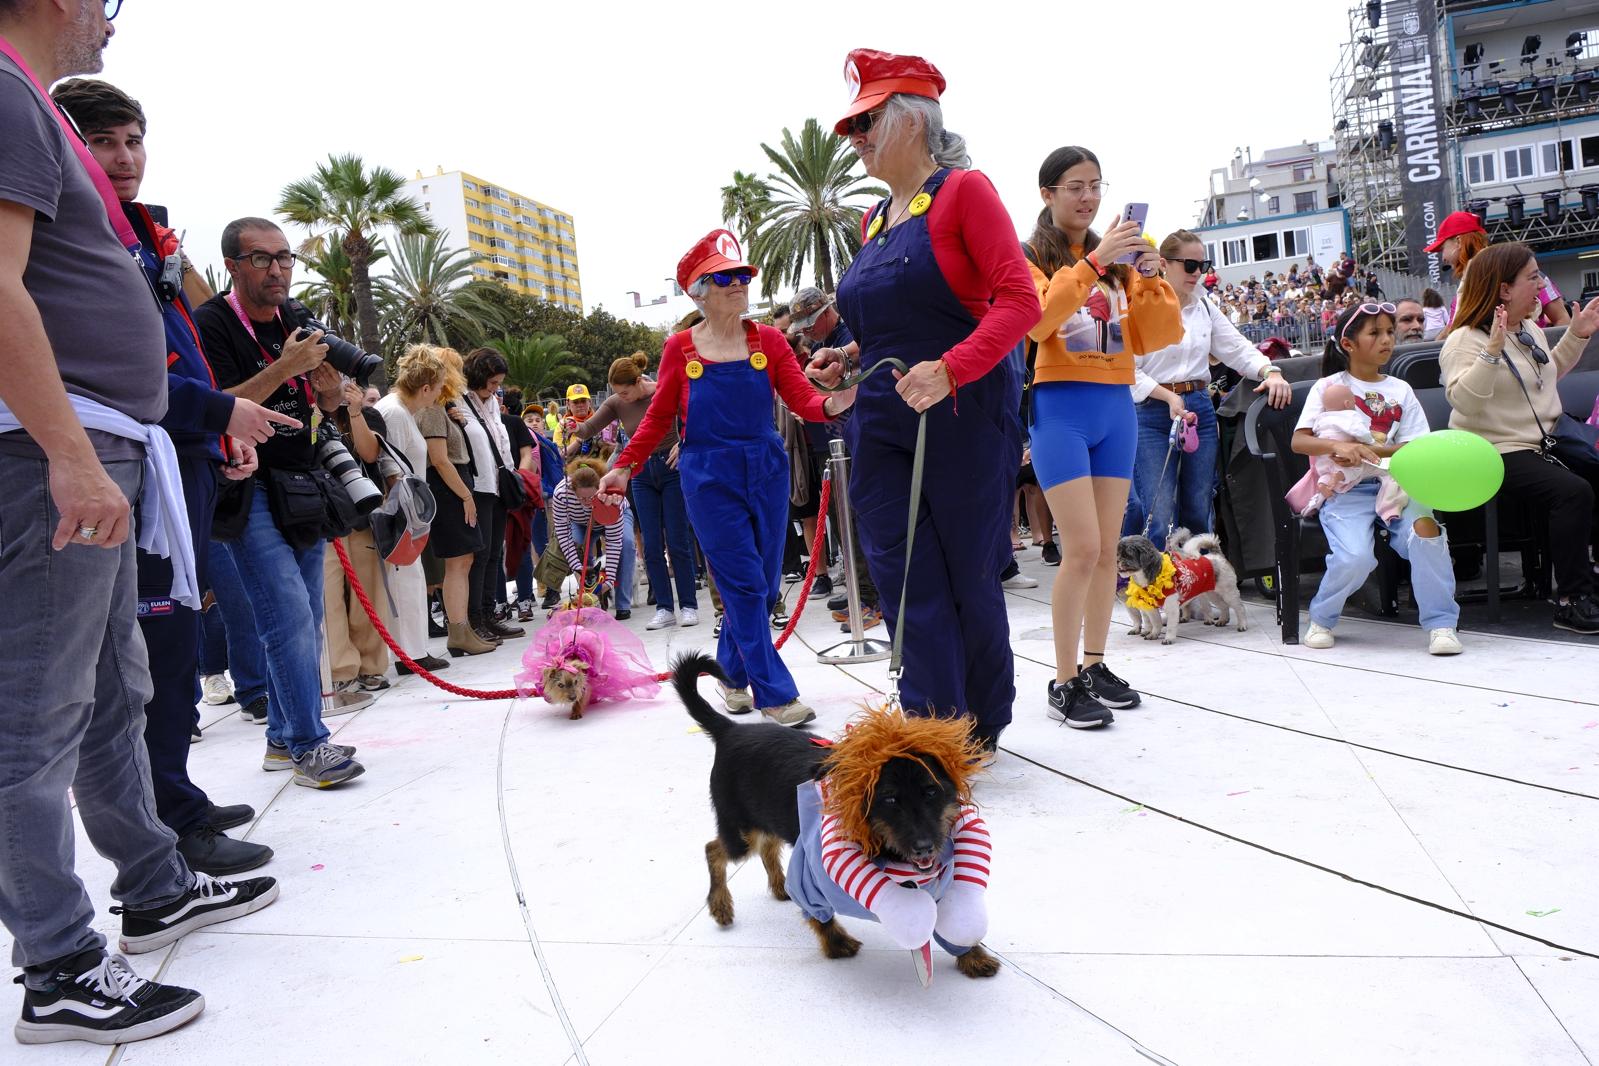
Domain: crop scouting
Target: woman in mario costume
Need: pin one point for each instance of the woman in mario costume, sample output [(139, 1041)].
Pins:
[(940, 284), (719, 378)]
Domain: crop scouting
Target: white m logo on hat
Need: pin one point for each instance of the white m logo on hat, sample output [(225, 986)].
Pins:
[(727, 246), (852, 79)]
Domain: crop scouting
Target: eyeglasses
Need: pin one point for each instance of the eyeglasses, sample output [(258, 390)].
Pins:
[(1539, 356), (1078, 188), (1193, 266), (864, 122), (724, 280), (111, 9), (262, 260)]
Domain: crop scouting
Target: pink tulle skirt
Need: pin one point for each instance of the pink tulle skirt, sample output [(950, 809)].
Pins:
[(591, 641)]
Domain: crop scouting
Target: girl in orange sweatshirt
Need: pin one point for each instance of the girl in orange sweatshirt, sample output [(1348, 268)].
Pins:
[(1097, 314)]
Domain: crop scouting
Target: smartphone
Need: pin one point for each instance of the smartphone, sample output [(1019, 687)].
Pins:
[(1138, 213)]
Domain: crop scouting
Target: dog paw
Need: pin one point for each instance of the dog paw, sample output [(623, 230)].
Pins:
[(1168, 640), (575, 715), (835, 943), (720, 904), (977, 963)]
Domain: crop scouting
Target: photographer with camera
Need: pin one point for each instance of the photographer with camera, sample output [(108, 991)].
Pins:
[(259, 354), (213, 433)]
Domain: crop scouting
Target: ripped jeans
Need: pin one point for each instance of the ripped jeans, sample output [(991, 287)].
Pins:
[(1348, 519)]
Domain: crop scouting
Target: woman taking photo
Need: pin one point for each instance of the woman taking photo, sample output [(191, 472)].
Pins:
[(718, 378), (456, 536), (485, 372), (1174, 383), (1500, 376), (940, 285), (657, 497), (1098, 314)]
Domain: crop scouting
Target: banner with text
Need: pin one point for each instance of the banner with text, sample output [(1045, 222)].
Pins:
[(1418, 132)]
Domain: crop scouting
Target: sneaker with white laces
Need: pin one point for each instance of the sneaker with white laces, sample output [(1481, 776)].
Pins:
[(792, 713), (215, 690), (738, 700), (1318, 637), (207, 902), (277, 756), (688, 616), (105, 1004), (1443, 641), (326, 765), (663, 618)]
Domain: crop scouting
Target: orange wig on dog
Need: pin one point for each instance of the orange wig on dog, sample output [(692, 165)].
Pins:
[(853, 764)]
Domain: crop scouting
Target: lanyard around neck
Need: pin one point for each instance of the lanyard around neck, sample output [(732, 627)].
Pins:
[(299, 380), (97, 175)]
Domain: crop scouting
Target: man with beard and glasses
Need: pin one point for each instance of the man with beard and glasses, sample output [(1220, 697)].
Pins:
[(83, 383)]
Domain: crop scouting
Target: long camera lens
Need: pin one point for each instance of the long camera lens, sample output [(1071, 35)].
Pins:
[(336, 459), (346, 358)]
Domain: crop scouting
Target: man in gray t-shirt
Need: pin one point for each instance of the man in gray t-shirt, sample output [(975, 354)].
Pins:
[(80, 320)]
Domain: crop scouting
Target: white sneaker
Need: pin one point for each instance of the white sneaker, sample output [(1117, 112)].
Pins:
[(1319, 637), (214, 689), (688, 616), (662, 619), (1020, 580), (738, 700), (1443, 642)]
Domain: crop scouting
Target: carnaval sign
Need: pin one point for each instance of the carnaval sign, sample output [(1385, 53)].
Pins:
[(1418, 132)]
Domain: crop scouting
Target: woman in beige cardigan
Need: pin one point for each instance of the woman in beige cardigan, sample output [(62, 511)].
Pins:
[(1483, 356)]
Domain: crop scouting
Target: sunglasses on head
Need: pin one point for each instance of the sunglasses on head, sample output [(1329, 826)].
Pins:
[(722, 281), (1539, 356), (863, 122), (1364, 311), (1192, 266)]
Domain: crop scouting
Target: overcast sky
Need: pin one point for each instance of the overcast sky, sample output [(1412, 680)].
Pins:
[(632, 116)]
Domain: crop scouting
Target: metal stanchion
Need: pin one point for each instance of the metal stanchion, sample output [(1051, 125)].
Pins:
[(858, 648)]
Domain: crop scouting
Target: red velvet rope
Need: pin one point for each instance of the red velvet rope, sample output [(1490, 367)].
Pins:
[(511, 693)]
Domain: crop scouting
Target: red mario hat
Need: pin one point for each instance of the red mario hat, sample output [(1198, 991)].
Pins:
[(716, 252), (1454, 225), (873, 76)]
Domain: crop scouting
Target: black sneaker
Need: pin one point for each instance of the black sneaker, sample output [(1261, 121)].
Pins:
[(622, 616), (839, 602), (779, 615), (210, 851), (1051, 554), (225, 818), (1107, 688), (1581, 615), (1070, 703), (551, 600), (210, 901), (822, 586), (107, 1004), (255, 711)]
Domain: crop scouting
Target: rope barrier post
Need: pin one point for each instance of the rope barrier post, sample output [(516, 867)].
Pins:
[(857, 649)]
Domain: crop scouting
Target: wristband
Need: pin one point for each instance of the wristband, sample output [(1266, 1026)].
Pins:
[(1273, 369), (1093, 261)]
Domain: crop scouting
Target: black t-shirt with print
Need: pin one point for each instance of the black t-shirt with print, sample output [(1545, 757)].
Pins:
[(235, 359)]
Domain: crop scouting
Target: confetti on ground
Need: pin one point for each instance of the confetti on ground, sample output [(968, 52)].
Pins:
[(318, 866), (1238, 793), (1544, 914), (412, 958), (695, 729), (1133, 810), (1591, 725)]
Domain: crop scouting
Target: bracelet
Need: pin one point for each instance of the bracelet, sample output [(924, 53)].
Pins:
[(1491, 360), (1274, 369), (1093, 261), (950, 374)]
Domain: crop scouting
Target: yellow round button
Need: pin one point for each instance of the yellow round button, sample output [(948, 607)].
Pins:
[(877, 224), (694, 369), (920, 204), (758, 360)]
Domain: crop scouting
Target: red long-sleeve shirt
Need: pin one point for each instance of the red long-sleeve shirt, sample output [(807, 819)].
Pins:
[(976, 247), (671, 393)]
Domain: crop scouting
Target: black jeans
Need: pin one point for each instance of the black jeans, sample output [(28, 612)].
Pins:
[(1547, 488), (488, 565)]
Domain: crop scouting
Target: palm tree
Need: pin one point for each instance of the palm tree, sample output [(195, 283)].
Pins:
[(744, 202), (344, 197), (427, 299), (332, 298), (218, 280), (809, 218), (539, 363)]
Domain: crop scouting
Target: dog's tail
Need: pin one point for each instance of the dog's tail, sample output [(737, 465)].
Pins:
[(686, 671), (1202, 543)]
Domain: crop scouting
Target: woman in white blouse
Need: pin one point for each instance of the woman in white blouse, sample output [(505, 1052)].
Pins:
[(1174, 383)]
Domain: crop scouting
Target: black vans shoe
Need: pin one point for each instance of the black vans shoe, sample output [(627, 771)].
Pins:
[(210, 901), (1107, 688), (1070, 703), (1579, 616), (107, 1004)]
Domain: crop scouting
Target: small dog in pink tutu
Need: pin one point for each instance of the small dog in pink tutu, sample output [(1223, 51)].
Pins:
[(585, 655)]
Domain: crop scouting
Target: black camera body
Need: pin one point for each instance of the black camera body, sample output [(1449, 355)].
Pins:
[(346, 358)]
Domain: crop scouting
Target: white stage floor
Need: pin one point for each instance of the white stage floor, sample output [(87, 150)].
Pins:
[(1234, 873)]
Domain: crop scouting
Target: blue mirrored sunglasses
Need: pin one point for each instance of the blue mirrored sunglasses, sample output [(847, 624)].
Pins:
[(724, 280)]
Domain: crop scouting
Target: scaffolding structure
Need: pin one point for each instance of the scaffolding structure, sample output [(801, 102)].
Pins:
[(1364, 107)]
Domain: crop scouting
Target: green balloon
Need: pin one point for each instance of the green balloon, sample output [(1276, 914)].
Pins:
[(1448, 470)]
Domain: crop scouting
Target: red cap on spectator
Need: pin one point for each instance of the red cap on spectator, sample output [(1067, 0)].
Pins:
[(873, 76), (1454, 225), (716, 252)]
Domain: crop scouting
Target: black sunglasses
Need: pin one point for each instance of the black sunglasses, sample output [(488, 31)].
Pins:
[(1539, 356), (111, 9), (1193, 266), (724, 280), (864, 122)]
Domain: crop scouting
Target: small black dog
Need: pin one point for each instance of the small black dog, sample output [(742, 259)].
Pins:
[(754, 778)]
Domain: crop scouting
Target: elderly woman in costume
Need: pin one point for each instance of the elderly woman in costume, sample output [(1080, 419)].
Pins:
[(719, 378), (940, 284)]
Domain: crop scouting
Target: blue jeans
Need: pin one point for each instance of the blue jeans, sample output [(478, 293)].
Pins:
[(1186, 495), (213, 642), (658, 496), (1348, 521), (284, 584), (73, 685), (623, 579), (245, 659)]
